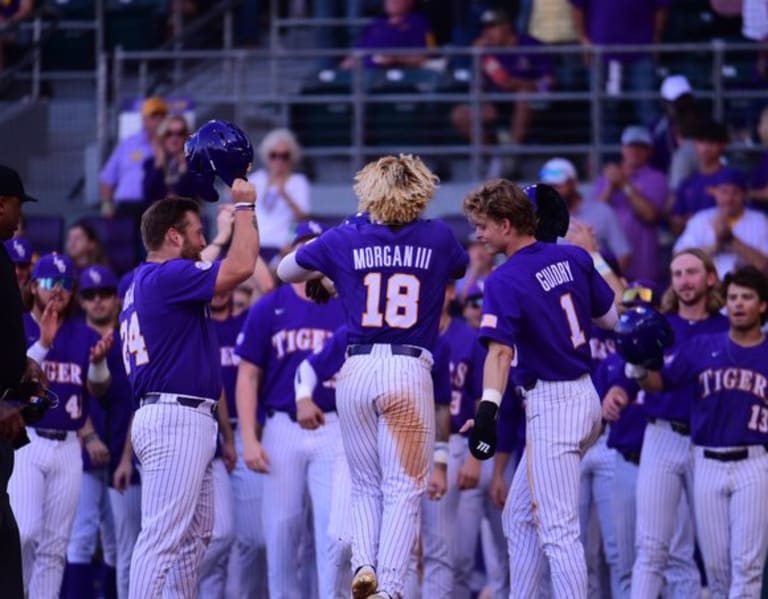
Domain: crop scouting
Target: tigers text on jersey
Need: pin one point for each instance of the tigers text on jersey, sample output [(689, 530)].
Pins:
[(66, 366), (390, 280), (731, 402), (675, 404), (282, 329), (542, 300), (168, 340)]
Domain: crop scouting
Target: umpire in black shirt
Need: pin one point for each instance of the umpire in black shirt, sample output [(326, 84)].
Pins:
[(14, 367)]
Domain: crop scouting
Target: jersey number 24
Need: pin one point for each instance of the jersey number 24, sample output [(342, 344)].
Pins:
[(133, 343), (401, 309)]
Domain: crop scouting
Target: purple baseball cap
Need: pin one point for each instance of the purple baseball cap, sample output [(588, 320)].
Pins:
[(54, 265), (730, 176), (20, 250), (475, 289), (97, 277), (307, 229)]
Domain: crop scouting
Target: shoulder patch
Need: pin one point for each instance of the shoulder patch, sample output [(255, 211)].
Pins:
[(490, 321), (203, 265)]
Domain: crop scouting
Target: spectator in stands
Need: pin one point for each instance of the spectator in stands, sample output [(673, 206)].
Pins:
[(758, 185), (519, 72), (165, 172), (679, 106), (755, 27), (83, 246), (283, 195), (401, 27), (599, 216), (694, 193), (637, 193), (12, 12), (121, 178), (616, 22), (731, 233)]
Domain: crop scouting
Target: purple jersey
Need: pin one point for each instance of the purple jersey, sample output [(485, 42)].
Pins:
[(329, 360), (467, 358), (626, 434), (675, 404), (731, 402), (168, 340), (282, 329), (66, 366), (693, 194), (543, 300), (391, 280), (226, 334)]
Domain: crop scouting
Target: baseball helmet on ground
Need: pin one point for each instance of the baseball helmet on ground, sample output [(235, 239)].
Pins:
[(218, 148), (551, 212), (642, 335)]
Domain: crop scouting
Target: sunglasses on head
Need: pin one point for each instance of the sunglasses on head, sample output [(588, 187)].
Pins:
[(48, 283), (475, 302), (285, 156), (637, 294), (103, 292)]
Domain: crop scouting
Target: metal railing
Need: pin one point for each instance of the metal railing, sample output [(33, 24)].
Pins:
[(233, 71)]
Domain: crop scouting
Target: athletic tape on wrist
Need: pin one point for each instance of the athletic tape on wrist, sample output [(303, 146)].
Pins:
[(491, 395)]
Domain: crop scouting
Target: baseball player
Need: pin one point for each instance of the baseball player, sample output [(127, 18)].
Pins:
[(20, 251), (390, 271), (729, 430), (46, 482), (172, 359), (213, 570), (280, 331), (94, 518), (624, 409), (692, 307), (541, 301)]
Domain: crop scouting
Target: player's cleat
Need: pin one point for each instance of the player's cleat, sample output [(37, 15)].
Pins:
[(364, 583), (482, 436)]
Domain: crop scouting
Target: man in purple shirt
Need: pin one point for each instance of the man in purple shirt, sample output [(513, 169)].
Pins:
[(390, 269), (537, 310), (400, 28), (619, 22), (637, 193), (121, 179), (171, 355)]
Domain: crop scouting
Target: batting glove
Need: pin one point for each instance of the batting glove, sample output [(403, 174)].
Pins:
[(635, 371), (482, 436)]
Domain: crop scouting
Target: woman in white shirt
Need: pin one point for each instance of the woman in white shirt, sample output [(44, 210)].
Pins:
[(283, 195)]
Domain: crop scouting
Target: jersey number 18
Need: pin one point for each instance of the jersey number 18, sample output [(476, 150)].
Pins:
[(401, 309)]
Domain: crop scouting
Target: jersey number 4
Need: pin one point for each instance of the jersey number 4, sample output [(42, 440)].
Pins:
[(133, 343), (401, 309)]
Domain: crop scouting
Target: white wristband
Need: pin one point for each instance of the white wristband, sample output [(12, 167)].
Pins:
[(305, 381), (492, 395), (37, 352), (98, 372), (440, 455), (601, 266)]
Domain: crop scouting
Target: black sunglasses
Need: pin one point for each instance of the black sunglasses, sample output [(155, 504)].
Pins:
[(176, 133), (285, 156), (475, 302), (92, 294)]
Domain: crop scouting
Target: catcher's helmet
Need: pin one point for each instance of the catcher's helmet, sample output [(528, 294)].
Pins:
[(551, 212), (221, 149), (642, 335)]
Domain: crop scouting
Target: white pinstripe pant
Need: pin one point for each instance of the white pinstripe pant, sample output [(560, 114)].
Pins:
[(126, 510), (44, 491), (665, 473), (175, 446), (213, 568), (541, 516), (387, 414), (732, 521), (93, 521)]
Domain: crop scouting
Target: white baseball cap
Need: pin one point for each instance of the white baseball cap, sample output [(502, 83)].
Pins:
[(556, 171), (636, 134), (675, 86)]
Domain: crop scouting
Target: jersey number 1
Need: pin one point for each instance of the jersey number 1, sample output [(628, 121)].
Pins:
[(578, 337), (401, 309), (133, 343)]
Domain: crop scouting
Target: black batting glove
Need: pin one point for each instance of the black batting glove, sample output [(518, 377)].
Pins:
[(482, 436)]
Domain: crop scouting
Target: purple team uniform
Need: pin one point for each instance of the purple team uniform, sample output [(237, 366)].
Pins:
[(542, 301), (181, 353), (282, 329), (226, 334), (467, 359), (66, 366), (413, 261), (675, 404)]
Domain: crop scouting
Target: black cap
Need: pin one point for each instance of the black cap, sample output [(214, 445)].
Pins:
[(10, 185), (494, 17)]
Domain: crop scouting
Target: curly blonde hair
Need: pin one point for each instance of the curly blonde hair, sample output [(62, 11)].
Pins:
[(395, 189)]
